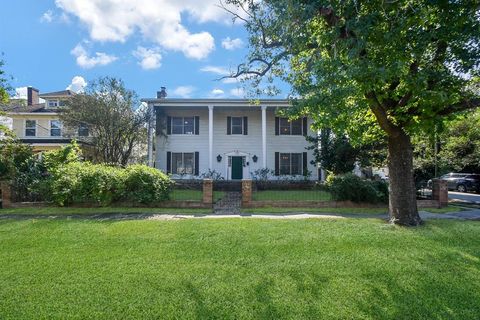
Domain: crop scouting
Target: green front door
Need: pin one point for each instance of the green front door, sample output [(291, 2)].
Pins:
[(237, 168)]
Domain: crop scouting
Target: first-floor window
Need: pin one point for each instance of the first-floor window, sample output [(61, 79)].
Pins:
[(183, 163), (290, 163), (55, 128), (83, 130), (30, 128)]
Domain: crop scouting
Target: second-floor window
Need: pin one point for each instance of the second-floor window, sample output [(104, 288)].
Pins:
[(30, 128), (83, 130), (293, 127), (55, 128), (183, 125), (237, 125)]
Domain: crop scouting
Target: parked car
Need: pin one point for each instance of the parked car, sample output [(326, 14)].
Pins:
[(462, 182)]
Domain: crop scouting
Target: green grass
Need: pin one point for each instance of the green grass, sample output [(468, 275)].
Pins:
[(292, 195), (238, 269), (316, 210), (182, 195), (94, 211)]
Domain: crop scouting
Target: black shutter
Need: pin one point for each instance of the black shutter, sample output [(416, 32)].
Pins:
[(277, 126), (169, 162), (229, 125), (305, 163), (305, 126), (169, 125), (245, 125), (197, 154), (197, 125), (277, 163)]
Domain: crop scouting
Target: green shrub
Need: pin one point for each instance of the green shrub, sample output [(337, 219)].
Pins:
[(83, 182), (144, 184), (353, 188), (100, 184)]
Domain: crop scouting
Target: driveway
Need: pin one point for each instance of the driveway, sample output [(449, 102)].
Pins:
[(462, 196)]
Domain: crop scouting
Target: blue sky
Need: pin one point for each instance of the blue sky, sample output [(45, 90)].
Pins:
[(183, 45)]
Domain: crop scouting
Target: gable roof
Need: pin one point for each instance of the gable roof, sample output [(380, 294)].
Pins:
[(63, 93), (36, 108)]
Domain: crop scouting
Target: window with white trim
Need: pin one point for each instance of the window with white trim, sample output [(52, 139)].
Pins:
[(55, 128), (183, 125), (183, 163), (288, 127), (52, 103), (236, 125), (30, 128), (291, 163)]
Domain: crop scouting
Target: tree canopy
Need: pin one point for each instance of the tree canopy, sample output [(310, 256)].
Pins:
[(115, 123), (370, 68)]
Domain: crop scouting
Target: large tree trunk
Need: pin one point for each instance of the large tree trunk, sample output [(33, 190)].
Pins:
[(403, 202)]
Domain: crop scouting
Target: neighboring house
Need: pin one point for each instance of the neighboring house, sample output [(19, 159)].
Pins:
[(233, 137), (38, 123)]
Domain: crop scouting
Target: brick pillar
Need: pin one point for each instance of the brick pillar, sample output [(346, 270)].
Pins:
[(246, 192), (440, 192), (207, 191), (6, 194)]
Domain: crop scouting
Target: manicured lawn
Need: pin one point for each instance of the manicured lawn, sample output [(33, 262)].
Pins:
[(94, 211), (448, 209), (238, 269), (292, 195)]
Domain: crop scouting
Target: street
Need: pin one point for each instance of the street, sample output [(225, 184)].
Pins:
[(470, 197)]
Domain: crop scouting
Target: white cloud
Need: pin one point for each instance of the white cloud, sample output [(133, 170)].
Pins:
[(221, 71), (184, 91), (232, 44), (47, 16), (149, 58), (217, 93), (158, 21), (237, 92), (87, 62), (77, 85)]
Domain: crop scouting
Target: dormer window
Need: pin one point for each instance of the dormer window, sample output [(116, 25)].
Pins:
[(52, 103)]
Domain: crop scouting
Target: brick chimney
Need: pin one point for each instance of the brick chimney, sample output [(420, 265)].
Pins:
[(32, 96), (162, 94)]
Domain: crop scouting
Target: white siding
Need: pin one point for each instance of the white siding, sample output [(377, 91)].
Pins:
[(223, 144)]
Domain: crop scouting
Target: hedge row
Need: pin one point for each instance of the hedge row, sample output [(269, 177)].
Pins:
[(353, 188), (83, 182)]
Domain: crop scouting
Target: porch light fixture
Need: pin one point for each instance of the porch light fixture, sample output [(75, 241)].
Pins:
[(219, 158), (254, 158)]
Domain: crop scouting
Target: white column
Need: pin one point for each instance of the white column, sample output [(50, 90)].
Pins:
[(264, 136), (210, 137)]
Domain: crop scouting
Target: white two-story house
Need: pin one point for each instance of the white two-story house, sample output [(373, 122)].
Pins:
[(232, 137)]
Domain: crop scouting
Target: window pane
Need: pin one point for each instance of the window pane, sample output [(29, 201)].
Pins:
[(237, 125), (297, 127), (30, 128), (296, 167), (188, 125), (284, 163), (55, 124), (284, 126), (52, 103), (177, 163), (30, 124), (188, 163), (83, 130), (55, 132), (177, 125)]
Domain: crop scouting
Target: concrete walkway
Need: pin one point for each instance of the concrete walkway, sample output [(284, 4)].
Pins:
[(462, 215)]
